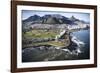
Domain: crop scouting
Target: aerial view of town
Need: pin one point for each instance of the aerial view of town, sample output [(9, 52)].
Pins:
[(55, 36)]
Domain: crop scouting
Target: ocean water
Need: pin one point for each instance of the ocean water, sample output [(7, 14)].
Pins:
[(84, 36), (50, 53)]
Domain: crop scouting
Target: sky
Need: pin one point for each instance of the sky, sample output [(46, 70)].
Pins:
[(81, 16)]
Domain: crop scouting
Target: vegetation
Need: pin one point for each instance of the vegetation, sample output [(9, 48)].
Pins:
[(53, 43), (40, 34)]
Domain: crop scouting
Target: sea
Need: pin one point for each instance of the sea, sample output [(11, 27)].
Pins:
[(49, 53)]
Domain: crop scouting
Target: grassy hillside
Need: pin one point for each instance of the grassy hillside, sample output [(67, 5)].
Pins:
[(40, 34)]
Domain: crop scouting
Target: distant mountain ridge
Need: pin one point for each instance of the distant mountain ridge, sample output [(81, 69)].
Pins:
[(52, 19)]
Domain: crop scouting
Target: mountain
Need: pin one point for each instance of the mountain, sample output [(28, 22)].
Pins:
[(51, 19), (32, 18), (73, 18)]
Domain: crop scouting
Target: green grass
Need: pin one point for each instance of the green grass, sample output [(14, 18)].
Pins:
[(40, 34), (57, 43), (53, 43), (44, 34)]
